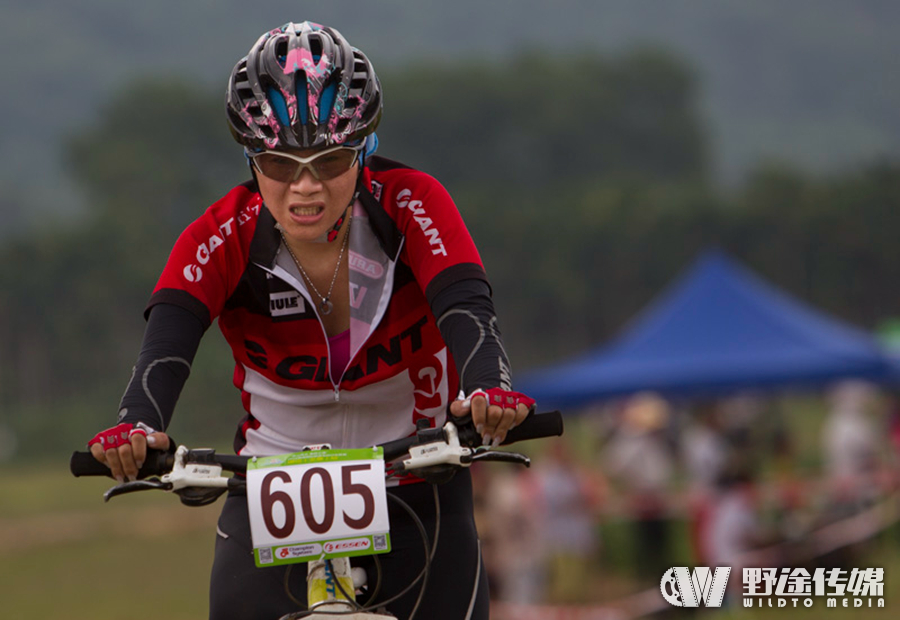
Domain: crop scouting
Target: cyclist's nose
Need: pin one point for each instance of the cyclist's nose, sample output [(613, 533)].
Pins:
[(305, 179)]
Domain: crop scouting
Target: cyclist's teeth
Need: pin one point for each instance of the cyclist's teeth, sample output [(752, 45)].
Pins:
[(305, 210)]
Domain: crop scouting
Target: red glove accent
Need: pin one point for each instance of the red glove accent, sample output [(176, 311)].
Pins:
[(114, 437), (504, 398), (136, 431)]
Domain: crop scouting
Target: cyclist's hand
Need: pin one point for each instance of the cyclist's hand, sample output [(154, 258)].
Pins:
[(493, 420), (123, 448)]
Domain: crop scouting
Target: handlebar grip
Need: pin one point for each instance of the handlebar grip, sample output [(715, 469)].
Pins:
[(535, 426), (84, 464), (397, 448)]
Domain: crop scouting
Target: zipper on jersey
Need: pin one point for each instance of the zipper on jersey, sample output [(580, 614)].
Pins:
[(287, 277), (335, 385), (298, 285)]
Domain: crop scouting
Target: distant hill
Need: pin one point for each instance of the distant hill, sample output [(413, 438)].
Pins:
[(810, 82)]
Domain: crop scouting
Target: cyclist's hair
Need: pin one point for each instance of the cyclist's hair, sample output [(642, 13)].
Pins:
[(302, 86)]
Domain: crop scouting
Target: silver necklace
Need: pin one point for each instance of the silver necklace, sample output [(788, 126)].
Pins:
[(325, 305)]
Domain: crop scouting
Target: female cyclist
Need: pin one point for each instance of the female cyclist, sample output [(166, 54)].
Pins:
[(355, 304)]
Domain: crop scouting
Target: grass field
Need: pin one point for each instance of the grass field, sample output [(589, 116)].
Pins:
[(66, 554)]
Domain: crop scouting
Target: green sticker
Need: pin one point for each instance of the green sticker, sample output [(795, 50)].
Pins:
[(315, 456), (307, 552)]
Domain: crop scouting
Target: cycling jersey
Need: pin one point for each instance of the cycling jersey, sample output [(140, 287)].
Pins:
[(407, 244)]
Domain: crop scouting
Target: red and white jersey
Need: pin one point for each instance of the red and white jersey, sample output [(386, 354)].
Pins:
[(407, 243)]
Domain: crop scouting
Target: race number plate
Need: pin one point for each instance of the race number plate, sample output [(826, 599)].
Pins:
[(317, 504)]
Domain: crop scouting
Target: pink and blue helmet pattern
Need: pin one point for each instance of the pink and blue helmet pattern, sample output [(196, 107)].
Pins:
[(302, 86)]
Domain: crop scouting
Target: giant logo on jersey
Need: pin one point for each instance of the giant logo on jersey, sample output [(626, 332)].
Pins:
[(416, 207), (389, 354), (193, 272), (429, 386)]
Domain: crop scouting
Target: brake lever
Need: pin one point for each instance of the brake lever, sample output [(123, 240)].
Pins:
[(497, 455), (135, 486)]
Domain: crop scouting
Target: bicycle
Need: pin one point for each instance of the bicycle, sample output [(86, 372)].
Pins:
[(434, 454)]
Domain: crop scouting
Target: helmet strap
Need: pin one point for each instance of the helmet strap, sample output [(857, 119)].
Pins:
[(332, 234)]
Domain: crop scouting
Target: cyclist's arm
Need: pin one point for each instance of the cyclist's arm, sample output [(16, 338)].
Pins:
[(170, 342), (468, 324)]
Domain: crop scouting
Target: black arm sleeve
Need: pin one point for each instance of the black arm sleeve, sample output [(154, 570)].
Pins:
[(170, 343), (467, 321)]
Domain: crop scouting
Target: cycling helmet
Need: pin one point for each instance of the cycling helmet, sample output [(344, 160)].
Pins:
[(302, 86)]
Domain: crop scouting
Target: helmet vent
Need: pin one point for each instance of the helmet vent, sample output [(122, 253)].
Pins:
[(302, 90), (279, 105), (342, 125), (240, 76), (315, 46), (281, 46), (326, 101)]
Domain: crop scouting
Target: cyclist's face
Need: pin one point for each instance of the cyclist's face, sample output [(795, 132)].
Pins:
[(307, 207)]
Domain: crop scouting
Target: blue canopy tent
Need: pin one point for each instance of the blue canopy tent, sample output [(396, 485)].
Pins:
[(718, 329)]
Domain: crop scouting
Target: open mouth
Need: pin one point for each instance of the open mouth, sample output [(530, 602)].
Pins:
[(306, 211)]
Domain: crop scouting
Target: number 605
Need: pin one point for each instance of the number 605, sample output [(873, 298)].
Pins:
[(270, 499)]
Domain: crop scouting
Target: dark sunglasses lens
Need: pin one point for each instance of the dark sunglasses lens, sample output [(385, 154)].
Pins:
[(276, 167), (334, 164), (327, 165)]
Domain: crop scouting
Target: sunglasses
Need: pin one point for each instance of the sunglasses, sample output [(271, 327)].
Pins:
[(324, 166)]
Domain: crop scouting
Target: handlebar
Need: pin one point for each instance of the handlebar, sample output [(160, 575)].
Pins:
[(158, 462)]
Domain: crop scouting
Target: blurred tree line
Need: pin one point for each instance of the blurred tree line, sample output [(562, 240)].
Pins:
[(584, 180)]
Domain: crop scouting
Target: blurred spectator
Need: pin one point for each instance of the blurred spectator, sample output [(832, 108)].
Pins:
[(639, 461), (792, 504), (512, 529), (704, 448), (704, 451), (893, 430), (733, 526), (571, 495), (850, 442), (481, 486), (744, 429)]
